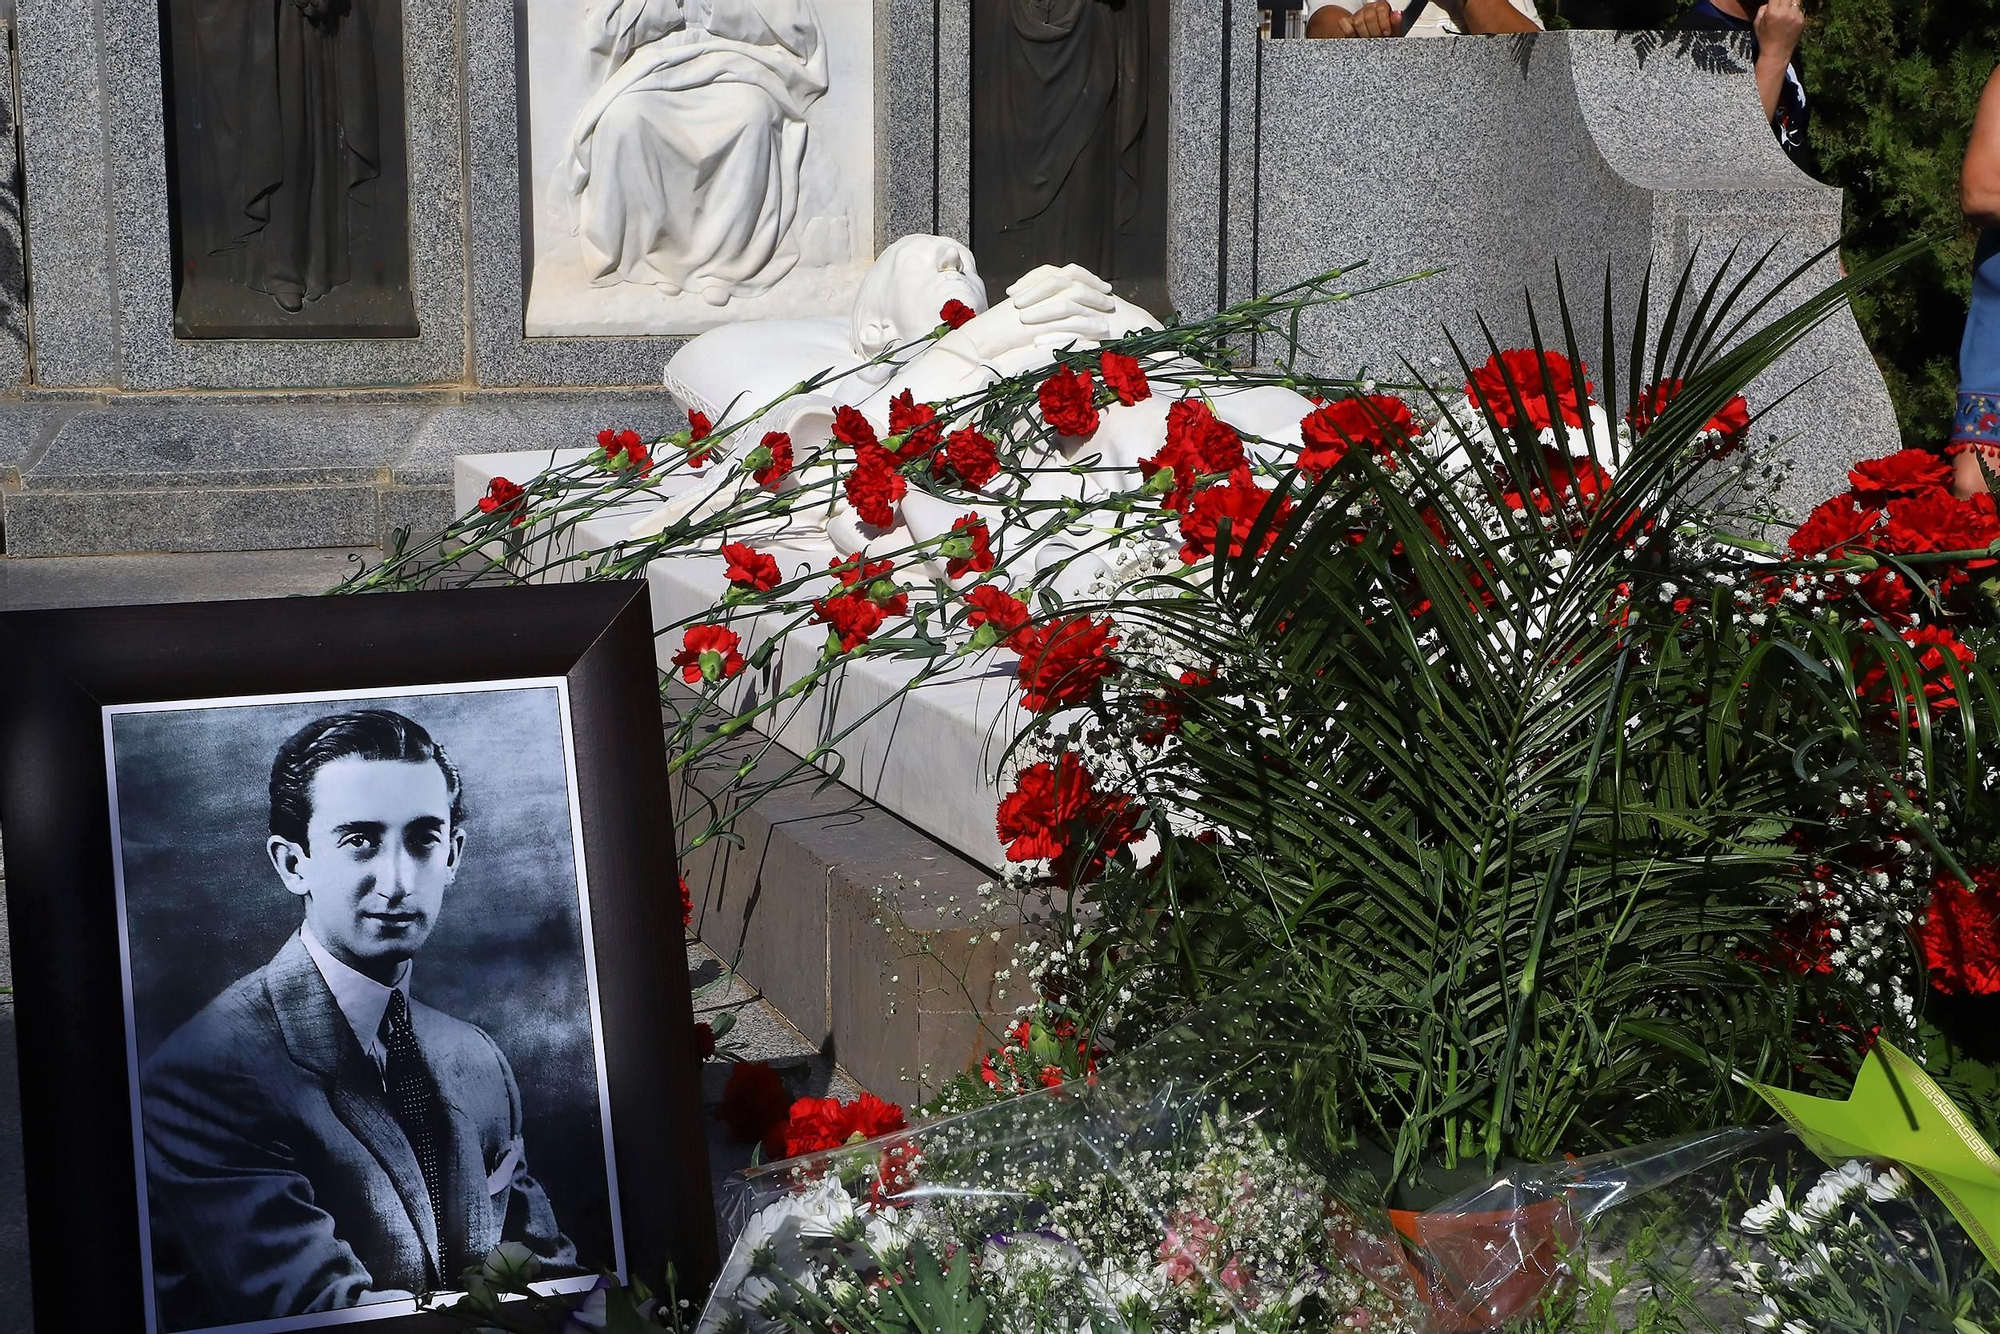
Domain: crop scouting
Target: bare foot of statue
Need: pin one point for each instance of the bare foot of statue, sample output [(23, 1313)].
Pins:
[(669, 287), (715, 295), (289, 302)]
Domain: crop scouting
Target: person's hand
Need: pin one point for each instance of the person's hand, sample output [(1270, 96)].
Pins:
[(1374, 19), (1779, 25), (1377, 19)]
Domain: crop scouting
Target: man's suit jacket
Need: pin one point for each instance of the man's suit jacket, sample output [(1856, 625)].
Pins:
[(278, 1182)]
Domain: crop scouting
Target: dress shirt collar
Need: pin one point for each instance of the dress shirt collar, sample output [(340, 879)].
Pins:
[(362, 1000)]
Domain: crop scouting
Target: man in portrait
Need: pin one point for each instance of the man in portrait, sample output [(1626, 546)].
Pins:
[(317, 1138)]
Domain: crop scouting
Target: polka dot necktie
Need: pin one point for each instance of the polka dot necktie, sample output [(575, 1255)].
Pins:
[(413, 1098)]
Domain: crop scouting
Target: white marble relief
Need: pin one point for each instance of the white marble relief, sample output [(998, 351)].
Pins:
[(697, 162)]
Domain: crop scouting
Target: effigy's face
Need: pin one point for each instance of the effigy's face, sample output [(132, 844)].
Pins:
[(929, 274)]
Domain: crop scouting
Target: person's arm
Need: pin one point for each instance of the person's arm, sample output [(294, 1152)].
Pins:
[(1979, 183), (1779, 25), (519, 1200), (219, 1177)]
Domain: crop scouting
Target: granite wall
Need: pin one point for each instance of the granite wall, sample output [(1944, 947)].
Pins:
[(96, 204), (1484, 163)]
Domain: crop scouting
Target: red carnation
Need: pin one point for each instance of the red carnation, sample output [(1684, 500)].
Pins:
[(972, 455), (863, 576), (778, 446), (870, 1117), (1125, 377), (1067, 403), (1829, 529), (995, 606), (1165, 709), (980, 559), (751, 569), (814, 1126), (503, 497), (1907, 472), (1199, 443), (1381, 422), (1193, 425), (956, 313), (1062, 663), (852, 618), (1943, 660), (625, 449), (1732, 424), (687, 904), (1055, 813), (698, 428), (1937, 520), (1546, 383), (753, 1102), (1239, 500), (704, 1041), (851, 428), (917, 423), (1961, 934), (1575, 479), (874, 485), (709, 653)]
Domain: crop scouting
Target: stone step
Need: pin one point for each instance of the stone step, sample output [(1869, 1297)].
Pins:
[(867, 934), (139, 473)]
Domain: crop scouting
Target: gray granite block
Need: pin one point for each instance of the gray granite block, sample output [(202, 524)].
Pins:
[(1215, 57), (907, 116), (490, 423), (97, 215), (154, 358), (68, 196), (164, 519), (952, 154), (501, 241), (13, 255), (417, 511), (198, 443), (26, 428), (110, 581), (1646, 150), (819, 906)]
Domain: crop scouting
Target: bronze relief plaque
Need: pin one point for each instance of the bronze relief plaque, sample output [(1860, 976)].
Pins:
[(288, 169)]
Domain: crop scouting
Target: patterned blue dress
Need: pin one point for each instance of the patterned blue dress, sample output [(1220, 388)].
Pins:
[(1978, 422)]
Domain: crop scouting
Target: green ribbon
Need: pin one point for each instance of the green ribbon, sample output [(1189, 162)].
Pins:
[(1898, 1112)]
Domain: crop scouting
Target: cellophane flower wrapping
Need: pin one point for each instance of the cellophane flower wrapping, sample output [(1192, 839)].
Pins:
[(1170, 1193)]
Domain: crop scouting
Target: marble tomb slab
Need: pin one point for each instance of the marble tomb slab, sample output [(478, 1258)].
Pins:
[(926, 755)]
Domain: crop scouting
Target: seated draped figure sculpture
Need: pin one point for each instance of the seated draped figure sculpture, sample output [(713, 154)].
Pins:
[(755, 362), (684, 168)]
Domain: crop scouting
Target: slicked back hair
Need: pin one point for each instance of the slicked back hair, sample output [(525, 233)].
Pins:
[(372, 734)]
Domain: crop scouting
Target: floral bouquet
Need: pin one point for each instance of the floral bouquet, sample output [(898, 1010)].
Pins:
[(1161, 1194)]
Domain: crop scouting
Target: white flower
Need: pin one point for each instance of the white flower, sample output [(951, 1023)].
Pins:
[(1765, 1319), (1760, 1216), (1833, 1190), (1893, 1184)]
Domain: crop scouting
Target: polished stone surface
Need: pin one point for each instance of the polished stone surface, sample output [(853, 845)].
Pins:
[(13, 257), (1646, 149), (98, 225), (232, 472)]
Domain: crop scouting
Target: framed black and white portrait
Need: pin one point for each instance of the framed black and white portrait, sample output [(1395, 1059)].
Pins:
[(382, 959)]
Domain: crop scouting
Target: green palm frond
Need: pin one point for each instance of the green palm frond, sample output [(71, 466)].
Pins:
[(1523, 830)]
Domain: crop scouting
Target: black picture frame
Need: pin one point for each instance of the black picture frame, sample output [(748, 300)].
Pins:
[(58, 671)]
